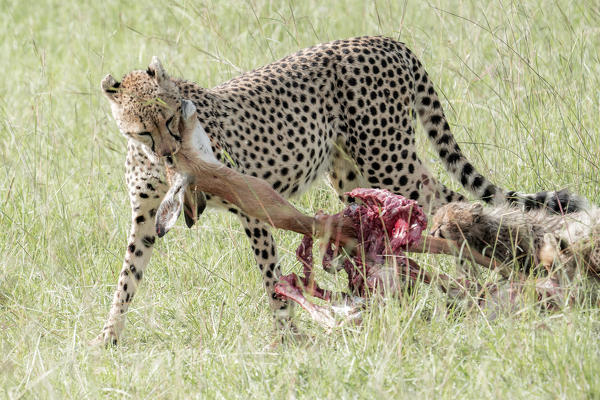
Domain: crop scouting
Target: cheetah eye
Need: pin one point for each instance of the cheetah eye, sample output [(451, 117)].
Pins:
[(170, 120), (144, 134)]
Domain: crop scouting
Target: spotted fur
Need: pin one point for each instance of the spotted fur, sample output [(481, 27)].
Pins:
[(344, 108), (524, 238)]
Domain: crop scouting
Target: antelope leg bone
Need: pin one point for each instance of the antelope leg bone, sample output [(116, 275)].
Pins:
[(435, 245)]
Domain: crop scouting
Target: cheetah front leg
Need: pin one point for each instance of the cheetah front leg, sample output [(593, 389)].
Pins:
[(265, 253), (146, 190)]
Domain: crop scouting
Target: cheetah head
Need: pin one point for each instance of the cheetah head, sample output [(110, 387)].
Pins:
[(147, 108), (454, 220)]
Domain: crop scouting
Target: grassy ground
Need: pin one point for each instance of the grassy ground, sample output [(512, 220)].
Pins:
[(520, 86)]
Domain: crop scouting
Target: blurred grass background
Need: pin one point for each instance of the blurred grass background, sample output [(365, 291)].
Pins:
[(520, 86)]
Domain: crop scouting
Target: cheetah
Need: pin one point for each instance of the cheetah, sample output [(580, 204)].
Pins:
[(343, 108), (526, 239)]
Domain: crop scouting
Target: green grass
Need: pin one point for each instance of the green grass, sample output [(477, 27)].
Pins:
[(520, 86)]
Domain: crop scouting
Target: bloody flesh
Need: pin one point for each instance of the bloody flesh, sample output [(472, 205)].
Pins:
[(385, 224)]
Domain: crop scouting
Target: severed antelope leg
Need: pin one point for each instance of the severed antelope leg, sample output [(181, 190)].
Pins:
[(435, 245)]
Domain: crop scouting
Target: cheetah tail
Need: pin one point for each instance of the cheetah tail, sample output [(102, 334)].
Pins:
[(431, 114), (436, 126), (559, 202)]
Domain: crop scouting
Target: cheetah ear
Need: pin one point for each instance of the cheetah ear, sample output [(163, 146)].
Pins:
[(171, 206), (109, 86), (156, 70), (188, 109)]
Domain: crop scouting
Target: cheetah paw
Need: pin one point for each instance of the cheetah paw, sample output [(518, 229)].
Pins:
[(106, 338)]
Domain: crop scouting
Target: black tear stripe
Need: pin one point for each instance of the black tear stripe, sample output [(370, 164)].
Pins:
[(153, 148)]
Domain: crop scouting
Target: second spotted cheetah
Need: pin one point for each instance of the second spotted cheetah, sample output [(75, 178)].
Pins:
[(523, 238)]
